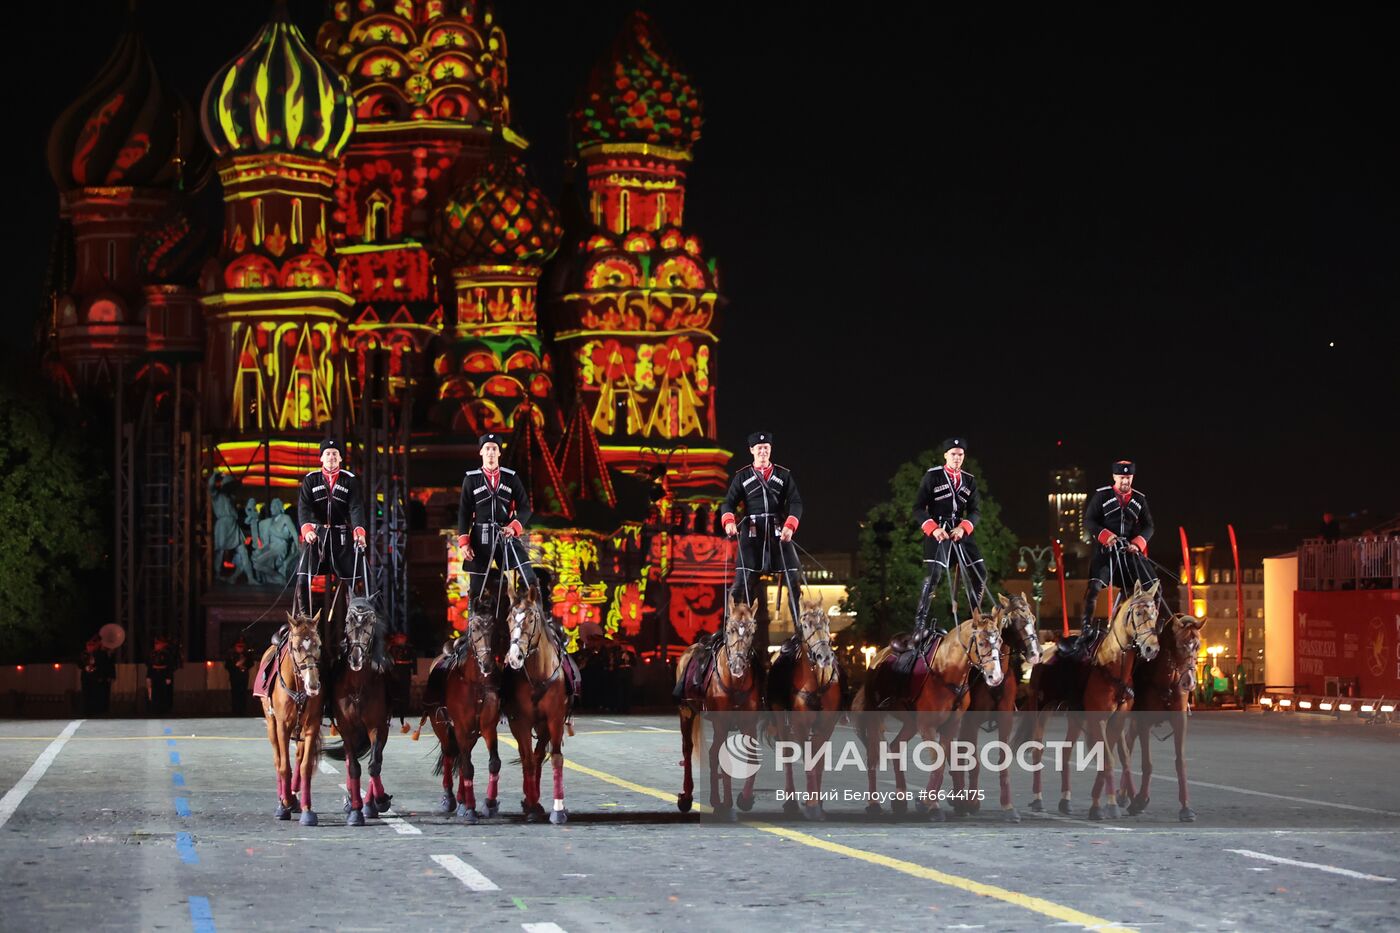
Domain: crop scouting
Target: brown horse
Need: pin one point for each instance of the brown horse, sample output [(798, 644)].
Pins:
[(804, 689), (1162, 691), (465, 706), (997, 705), (537, 702), (1092, 687), (293, 713), (358, 697), (729, 691), (927, 700)]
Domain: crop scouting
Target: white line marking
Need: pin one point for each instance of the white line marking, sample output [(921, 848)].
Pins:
[(659, 729), (328, 768), (542, 928), (612, 722), (1330, 869), (1088, 824), (1320, 803), (15, 795), (473, 879), (401, 826)]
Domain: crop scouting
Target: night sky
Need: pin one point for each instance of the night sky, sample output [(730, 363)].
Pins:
[(1151, 233)]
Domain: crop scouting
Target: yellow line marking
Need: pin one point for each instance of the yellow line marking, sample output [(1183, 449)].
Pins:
[(1025, 901)]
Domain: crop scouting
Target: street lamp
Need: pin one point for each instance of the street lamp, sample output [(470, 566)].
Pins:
[(1043, 562)]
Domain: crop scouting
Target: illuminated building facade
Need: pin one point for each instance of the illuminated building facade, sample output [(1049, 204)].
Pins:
[(382, 274), (1214, 596), (1068, 496)]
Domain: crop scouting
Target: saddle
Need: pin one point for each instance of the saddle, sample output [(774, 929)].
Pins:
[(271, 659), (1078, 649), (697, 672), (904, 671)]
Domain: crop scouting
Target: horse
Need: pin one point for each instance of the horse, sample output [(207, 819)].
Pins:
[(804, 689), (537, 702), (729, 690), (929, 696), (358, 697), (293, 713), (465, 704), (1162, 691), (998, 704), (1097, 682)]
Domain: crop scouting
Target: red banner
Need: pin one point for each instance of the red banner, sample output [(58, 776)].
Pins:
[(1349, 635)]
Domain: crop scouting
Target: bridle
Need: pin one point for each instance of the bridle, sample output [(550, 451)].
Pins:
[(528, 646), (302, 661)]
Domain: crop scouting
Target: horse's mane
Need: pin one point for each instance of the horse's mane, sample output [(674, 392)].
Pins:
[(1122, 617)]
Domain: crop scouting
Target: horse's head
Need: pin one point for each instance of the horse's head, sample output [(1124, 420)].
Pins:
[(526, 626), (361, 620), (984, 647), (739, 628), (481, 623), (1018, 618), (304, 645), (1186, 635), (815, 628), (1141, 613)]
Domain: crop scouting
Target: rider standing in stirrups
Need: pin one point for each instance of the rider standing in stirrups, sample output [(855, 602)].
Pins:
[(331, 513), (947, 509), (1119, 521), (772, 510)]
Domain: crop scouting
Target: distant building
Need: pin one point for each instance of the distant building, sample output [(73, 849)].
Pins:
[(1213, 595), (1069, 494)]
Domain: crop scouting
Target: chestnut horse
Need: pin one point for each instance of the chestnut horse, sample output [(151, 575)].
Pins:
[(804, 689), (729, 691), (1162, 691), (927, 700), (467, 706), (997, 705), (359, 707), (292, 709), (1092, 689), (537, 702)]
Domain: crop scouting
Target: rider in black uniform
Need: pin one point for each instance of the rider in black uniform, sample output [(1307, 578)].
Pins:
[(947, 508)]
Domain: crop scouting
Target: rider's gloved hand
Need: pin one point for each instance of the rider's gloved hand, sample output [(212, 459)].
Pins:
[(308, 533), (732, 530), (360, 538)]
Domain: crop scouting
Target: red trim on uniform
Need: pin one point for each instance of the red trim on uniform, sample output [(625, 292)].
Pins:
[(966, 526), (928, 526), (1141, 543), (765, 472), (1105, 536), (462, 540), (726, 519), (791, 522), (1123, 500), (305, 528), (493, 477), (955, 476), (515, 524)]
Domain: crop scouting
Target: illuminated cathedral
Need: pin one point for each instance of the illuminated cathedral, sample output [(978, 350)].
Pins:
[(388, 273)]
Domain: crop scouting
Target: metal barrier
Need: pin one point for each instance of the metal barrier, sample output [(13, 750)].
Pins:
[(1350, 564)]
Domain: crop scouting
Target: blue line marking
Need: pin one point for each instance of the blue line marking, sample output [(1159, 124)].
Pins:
[(178, 779), (174, 758), (170, 742), (184, 844), (182, 806), (169, 731), (201, 916)]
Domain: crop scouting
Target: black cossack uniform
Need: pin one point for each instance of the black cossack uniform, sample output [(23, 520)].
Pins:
[(1130, 521), (769, 505), (947, 505), (335, 510), (483, 510)]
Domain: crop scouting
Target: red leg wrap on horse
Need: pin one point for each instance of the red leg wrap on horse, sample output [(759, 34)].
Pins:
[(352, 787)]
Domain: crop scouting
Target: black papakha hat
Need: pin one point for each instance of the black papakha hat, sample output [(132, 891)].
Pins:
[(950, 442), (760, 437), (485, 439), (1124, 468), (331, 443)]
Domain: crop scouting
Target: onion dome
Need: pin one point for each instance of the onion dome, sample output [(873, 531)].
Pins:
[(276, 96), (126, 129), (499, 218), (637, 94), (173, 249), (419, 59)]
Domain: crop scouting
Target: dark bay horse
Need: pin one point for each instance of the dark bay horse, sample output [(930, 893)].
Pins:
[(293, 713), (729, 691), (927, 699), (1092, 687), (997, 705), (358, 697), (804, 690), (537, 702), (464, 702), (1162, 691)]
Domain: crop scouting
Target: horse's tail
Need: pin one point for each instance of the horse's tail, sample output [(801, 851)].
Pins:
[(336, 751), (1030, 714), (446, 749)]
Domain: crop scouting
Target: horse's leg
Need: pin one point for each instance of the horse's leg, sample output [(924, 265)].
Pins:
[(1008, 806), (520, 728), (1178, 721), (1126, 737), (945, 732), (900, 804), (721, 805), (355, 815), (541, 744), (745, 801), (1038, 760), (379, 738), (559, 814), (277, 736), (686, 797), (874, 732), (1144, 743), (1095, 736), (463, 734), (1113, 745), (1074, 725), (967, 729), (310, 746), (823, 729), (447, 757), (487, 722), (787, 732)]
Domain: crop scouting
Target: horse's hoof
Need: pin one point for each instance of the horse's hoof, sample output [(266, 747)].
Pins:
[(973, 806), (355, 818), (900, 807), (308, 818), (1010, 816), (1138, 805), (814, 813), (683, 802), (1037, 806), (936, 815), (1064, 807), (874, 809), (731, 814), (559, 817), (792, 808), (282, 813), (1123, 799), (371, 811), (920, 807), (745, 803), (493, 807), (1187, 815), (1110, 812), (345, 805), (1096, 813), (383, 802), (469, 817), (524, 805), (539, 810), (531, 816), (461, 811), (296, 805), (446, 805)]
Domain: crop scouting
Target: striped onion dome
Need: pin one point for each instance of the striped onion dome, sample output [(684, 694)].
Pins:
[(498, 217), (277, 96)]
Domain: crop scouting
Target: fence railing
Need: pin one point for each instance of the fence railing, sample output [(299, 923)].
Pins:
[(1350, 564)]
